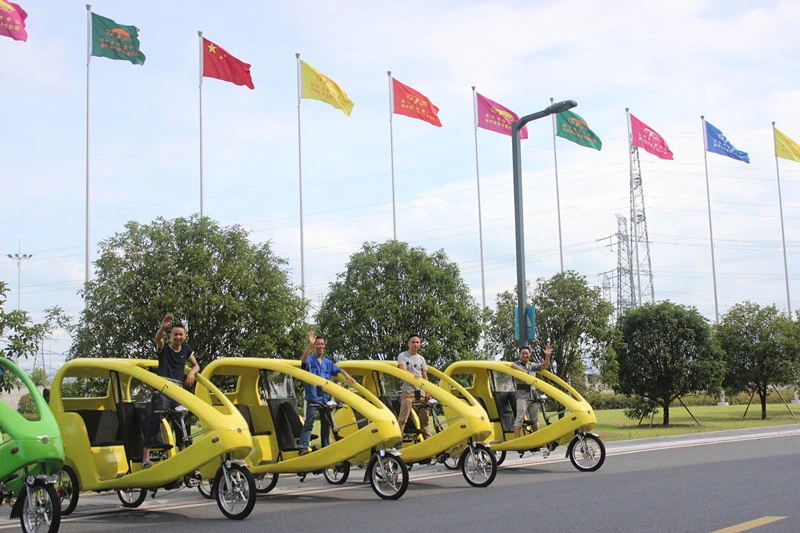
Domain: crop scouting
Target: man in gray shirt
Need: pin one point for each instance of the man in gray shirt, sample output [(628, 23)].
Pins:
[(413, 362), (526, 394)]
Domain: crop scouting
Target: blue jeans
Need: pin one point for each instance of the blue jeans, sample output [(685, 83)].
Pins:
[(160, 402), (311, 414)]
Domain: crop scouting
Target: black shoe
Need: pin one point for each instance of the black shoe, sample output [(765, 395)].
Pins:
[(304, 451)]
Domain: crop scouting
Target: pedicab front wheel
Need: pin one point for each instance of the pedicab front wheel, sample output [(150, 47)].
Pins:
[(132, 497), (41, 510), (478, 465), (68, 490), (388, 476), (235, 491), (337, 474), (586, 452)]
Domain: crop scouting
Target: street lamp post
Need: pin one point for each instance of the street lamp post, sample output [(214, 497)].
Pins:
[(518, 211), (19, 257)]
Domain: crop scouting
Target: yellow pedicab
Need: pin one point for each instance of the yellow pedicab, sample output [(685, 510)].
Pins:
[(364, 430), (102, 432), (492, 384), (460, 425)]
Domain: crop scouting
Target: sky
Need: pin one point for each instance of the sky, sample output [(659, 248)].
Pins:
[(735, 62)]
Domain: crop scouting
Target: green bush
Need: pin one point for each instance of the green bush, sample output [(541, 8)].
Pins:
[(607, 400), (27, 407)]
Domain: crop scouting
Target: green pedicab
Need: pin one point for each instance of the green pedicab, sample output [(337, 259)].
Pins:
[(31, 454)]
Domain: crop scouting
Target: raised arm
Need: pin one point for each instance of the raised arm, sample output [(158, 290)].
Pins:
[(312, 337), (165, 323), (547, 351)]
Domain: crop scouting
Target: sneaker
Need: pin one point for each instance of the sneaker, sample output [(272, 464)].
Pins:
[(304, 451), (147, 463)]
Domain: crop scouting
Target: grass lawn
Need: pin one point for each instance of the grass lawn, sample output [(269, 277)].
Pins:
[(612, 424)]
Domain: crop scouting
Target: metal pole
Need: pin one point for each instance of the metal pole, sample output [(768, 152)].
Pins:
[(391, 151), (558, 196), (710, 228), (200, 84), (634, 217), (478, 181), (88, 58), (783, 234), (300, 175)]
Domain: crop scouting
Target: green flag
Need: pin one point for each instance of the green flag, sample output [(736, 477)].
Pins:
[(573, 128), (115, 41)]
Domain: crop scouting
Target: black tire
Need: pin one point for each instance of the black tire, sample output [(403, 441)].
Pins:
[(589, 455), (68, 490), (235, 493), (337, 474), (391, 481), (266, 482), (479, 466), (45, 515), (451, 463), (132, 498), (206, 489), (501, 457)]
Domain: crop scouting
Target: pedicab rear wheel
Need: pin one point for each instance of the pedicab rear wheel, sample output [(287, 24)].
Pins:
[(388, 476), (206, 488), (131, 498), (45, 514), (337, 474), (68, 490), (451, 463), (266, 482), (586, 452), (478, 465), (501, 457), (235, 492)]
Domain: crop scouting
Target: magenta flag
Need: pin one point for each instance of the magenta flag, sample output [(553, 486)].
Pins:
[(494, 117), (12, 21), (646, 137)]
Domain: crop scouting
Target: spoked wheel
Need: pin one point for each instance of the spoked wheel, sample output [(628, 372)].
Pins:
[(266, 482), (587, 452), (451, 463), (388, 476), (132, 497), (235, 490), (478, 465), (501, 457), (68, 490), (337, 474), (206, 488), (42, 511)]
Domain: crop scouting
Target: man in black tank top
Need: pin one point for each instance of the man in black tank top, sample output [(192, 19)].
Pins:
[(172, 359)]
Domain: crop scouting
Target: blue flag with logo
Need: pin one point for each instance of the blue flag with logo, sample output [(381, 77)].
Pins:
[(719, 144)]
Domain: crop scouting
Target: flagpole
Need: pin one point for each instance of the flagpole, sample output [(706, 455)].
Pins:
[(200, 38), (88, 61), (558, 195), (783, 233), (300, 173), (478, 181), (634, 223), (391, 151), (710, 228)]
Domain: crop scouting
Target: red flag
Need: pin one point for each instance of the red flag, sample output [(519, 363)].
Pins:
[(645, 137), (494, 117), (413, 104), (218, 63)]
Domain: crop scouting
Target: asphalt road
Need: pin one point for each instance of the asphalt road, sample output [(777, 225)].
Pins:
[(736, 480)]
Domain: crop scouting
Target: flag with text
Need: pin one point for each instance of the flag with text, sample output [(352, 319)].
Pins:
[(646, 137), (414, 104), (494, 117)]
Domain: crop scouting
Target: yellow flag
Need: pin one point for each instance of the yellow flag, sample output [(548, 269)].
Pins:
[(318, 86), (785, 147)]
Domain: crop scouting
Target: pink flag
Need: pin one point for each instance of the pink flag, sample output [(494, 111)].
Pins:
[(12, 21), (494, 117), (645, 137)]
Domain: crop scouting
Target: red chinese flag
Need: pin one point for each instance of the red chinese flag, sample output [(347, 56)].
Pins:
[(413, 104), (218, 63)]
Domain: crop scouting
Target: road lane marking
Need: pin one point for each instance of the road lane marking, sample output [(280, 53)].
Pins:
[(752, 524)]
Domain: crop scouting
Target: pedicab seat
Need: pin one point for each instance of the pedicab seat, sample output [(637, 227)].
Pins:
[(102, 427), (246, 411), (131, 418), (506, 402), (288, 424)]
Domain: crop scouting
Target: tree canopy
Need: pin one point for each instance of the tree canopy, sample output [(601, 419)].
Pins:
[(391, 290), (665, 351), (234, 296), (570, 315), (762, 348)]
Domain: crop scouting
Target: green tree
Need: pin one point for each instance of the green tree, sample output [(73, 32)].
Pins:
[(391, 290), (665, 351), (27, 407), (234, 296), (39, 377), (20, 336), (761, 348), (570, 315)]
